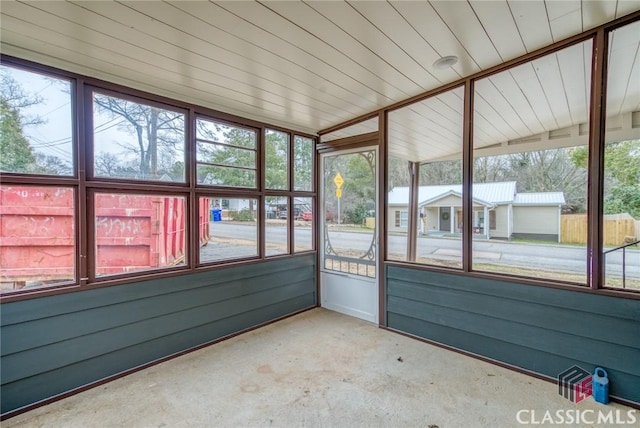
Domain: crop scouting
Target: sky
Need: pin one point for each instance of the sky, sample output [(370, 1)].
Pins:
[(52, 138)]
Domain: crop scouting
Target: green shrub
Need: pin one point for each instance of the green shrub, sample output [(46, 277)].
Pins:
[(357, 214), (244, 215)]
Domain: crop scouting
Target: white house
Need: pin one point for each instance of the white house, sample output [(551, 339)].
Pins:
[(498, 211)]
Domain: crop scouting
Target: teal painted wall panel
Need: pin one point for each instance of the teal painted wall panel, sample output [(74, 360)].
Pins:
[(602, 327), (26, 310), (563, 298), (86, 371), (51, 348), (540, 329), (530, 359), (63, 326), (59, 354)]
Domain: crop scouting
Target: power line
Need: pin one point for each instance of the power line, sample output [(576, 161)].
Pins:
[(57, 108), (97, 131)]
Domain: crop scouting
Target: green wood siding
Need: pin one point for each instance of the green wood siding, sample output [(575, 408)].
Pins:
[(540, 329), (51, 345)]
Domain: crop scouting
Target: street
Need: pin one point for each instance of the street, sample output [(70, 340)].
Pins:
[(552, 257)]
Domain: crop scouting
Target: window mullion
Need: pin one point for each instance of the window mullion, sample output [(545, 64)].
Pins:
[(596, 160)]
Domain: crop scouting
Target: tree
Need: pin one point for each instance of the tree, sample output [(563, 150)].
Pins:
[(219, 159), (550, 171), (16, 152), (491, 169), (621, 161), (356, 214), (303, 163), (398, 174), (622, 175), (443, 172), (431, 173), (18, 99), (53, 165), (623, 199), (109, 165), (158, 133), (229, 158), (358, 190), (276, 160), (360, 171), (537, 171)]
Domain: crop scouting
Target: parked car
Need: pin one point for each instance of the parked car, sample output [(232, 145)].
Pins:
[(307, 216), (282, 215)]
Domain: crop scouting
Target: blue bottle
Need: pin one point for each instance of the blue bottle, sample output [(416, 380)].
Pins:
[(600, 386)]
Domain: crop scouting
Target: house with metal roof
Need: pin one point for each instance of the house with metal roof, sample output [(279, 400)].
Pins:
[(499, 211)]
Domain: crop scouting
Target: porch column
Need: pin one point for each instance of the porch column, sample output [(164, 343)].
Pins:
[(452, 219), (414, 218), (509, 221), (486, 222)]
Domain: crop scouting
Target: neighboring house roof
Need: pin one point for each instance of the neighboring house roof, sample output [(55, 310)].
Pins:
[(541, 198), (435, 198), (398, 196), (489, 194), (502, 192)]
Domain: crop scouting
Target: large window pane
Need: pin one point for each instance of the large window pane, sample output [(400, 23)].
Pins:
[(530, 181), (276, 221), (137, 141), (303, 164), (276, 160), (428, 133), (37, 236), (138, 232), (303, 224), (232, 229), (36, 124), (226, 155), (621, 222)]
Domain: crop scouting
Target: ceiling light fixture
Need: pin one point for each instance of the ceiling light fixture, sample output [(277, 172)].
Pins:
[(445, 62)]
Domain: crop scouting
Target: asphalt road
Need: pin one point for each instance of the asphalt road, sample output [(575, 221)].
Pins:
[(562, 258)]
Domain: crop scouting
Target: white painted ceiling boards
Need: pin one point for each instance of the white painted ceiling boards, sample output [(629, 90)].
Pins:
[(310, 65)]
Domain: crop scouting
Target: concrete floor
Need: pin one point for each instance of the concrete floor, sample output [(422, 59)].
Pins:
[(318, 368)]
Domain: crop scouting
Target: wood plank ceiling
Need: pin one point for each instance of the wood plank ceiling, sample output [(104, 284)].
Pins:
[(310, 65)]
